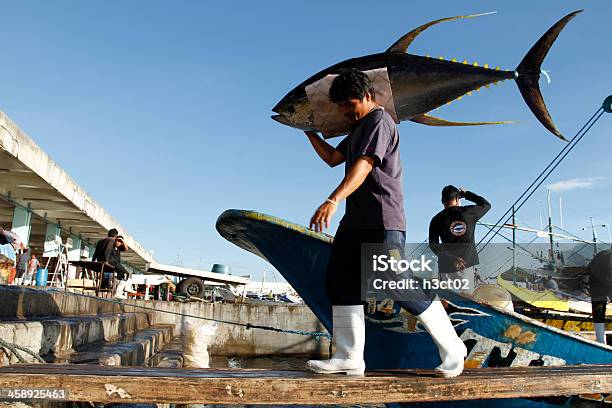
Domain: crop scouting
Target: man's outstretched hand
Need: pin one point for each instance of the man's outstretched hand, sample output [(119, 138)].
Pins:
[(322, 217)]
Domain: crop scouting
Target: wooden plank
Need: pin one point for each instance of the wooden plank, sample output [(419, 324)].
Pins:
[(264, 387)]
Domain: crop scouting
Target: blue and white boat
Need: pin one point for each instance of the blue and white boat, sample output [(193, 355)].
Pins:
[(494, 337)]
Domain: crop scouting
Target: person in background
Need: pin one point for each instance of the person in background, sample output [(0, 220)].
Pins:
[(115, 258), (7, 255), (22, 266), (551, 284), (600, 283), (122, 274), (451, 235), (105, 246), (102, 253), (33, 266), (9, 244)]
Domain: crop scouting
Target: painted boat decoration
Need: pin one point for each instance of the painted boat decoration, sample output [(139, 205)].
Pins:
[(409, 86), (494, 337)]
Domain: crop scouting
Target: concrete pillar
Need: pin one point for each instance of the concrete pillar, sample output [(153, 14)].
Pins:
[(74, 254), (22, 226), (51, 247)]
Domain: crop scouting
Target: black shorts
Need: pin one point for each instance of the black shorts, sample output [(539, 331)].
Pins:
[(349, 256), (343, 277)]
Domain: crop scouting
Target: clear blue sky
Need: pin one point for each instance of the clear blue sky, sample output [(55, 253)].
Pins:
[(178, 96)]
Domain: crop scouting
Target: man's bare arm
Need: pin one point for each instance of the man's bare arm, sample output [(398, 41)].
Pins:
[(355, 177), (325, 151)]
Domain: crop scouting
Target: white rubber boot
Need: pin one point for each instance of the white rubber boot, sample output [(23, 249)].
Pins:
[(450, 346), (349, 338), (600, 332)]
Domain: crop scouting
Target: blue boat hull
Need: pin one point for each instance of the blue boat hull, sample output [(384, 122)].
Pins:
[(495, 338)]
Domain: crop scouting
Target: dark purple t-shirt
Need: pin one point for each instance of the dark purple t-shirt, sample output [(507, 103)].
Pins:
[(379, 202)]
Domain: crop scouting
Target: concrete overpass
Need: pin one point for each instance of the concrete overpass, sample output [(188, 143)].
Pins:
[(40, 201)]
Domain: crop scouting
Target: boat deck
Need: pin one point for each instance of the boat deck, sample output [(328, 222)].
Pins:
[(264, 387)]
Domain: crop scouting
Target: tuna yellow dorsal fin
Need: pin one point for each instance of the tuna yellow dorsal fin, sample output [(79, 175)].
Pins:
[(486, 66), (465, 62), (401, 45), (454, 60), (475, 64)]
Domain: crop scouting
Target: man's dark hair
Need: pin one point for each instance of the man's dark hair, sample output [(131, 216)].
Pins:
[(113, 232), (449, 193), (350, 84)]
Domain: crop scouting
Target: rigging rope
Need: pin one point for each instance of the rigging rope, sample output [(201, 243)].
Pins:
[(539, 180), (12, 348)]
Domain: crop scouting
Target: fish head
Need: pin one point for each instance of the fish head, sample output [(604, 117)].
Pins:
[(294, 110)]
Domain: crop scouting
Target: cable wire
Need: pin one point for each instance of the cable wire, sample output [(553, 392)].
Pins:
[(539, 180)]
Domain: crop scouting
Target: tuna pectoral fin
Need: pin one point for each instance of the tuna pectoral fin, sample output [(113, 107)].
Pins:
[(529, 73), (402, 44), (433, 121)]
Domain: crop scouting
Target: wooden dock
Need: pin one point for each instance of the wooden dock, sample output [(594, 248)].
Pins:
[(264, 387)]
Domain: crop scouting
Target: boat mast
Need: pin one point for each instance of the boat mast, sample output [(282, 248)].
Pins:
[(594, 238), (550, 235), (560, 212), (594, 242), (513, 246)]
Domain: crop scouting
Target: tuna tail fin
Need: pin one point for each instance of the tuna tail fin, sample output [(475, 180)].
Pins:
[(528, 74)]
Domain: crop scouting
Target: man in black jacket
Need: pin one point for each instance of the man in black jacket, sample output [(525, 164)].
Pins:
[(103, 253), (105, 246), (451, 236)]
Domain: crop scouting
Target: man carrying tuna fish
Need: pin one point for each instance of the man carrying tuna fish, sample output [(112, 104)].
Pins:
[(372, 187)]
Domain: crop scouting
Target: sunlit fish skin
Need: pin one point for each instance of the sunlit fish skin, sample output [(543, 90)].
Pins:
[(420, 84)]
